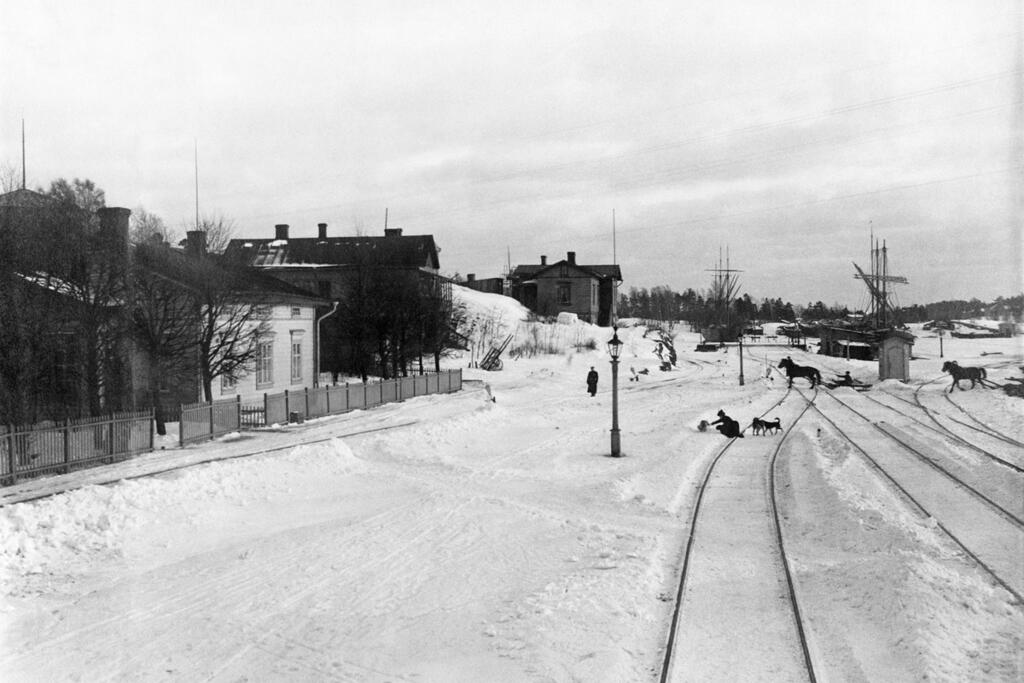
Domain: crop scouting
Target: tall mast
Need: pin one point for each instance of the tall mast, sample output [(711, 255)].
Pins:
[(23, 154), (196, 157)]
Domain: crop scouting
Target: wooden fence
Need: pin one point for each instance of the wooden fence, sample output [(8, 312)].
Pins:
[(52, 448), (202, 421)]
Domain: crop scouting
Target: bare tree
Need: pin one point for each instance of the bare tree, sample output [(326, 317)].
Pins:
[(149, 227), (82, 193), (10, 179), (231, 328), (219, 231), (164, 321)]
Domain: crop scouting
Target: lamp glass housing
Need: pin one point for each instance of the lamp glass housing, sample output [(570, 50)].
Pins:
[(615, 345)]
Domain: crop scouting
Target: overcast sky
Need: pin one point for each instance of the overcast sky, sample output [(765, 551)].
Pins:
[(783, 132)]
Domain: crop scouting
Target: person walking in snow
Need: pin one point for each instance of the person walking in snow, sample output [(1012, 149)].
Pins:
[(592, 381), (729, 427)]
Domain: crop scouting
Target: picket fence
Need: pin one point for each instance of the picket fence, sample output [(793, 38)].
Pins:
[(204, 421), (60, 447)]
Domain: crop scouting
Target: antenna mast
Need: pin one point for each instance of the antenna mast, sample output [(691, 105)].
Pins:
[(615, 260), (196, 157), (23, 154)]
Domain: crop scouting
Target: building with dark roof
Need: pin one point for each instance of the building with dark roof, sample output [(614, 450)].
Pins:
[(589, 291), (350, 271)]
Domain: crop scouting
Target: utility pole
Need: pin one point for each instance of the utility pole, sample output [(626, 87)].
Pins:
[(196, 157)]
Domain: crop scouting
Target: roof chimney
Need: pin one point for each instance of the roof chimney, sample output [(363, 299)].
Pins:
[(392, 232), (543, 260), (281, 231), (570, 256), (114, 228), (322, 230), (470, 277), (195, 244)]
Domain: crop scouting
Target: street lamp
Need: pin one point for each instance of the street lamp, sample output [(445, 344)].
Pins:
[(614, 349)]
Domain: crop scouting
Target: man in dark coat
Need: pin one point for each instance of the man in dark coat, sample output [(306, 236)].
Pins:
[(592, 381), (729, 427)]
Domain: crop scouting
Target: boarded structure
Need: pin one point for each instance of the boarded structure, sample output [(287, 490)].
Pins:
[(894, 352)]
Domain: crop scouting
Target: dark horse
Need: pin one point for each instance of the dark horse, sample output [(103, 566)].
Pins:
[(976, 375), (794, 370)]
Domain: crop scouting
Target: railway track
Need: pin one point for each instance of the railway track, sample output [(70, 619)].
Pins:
[(941, 429), (937, 465), (984, 531), (755, 572)]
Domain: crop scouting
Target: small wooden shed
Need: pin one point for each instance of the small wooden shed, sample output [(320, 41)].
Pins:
[(894, 353)]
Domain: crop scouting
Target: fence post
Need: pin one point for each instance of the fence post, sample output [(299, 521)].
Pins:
[(364, 395), (12, 458), (212, 429), (398, 390), (110, 434), (181, 425), (328, 398), (348, 403), (152, 428), (305, 391), (287, 407), (238, 412), (266, 411), (67, 441)]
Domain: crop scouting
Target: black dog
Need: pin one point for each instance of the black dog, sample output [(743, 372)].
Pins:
[(759, 426)]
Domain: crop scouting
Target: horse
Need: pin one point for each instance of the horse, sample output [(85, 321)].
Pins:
[(976, 375), (794, 370)]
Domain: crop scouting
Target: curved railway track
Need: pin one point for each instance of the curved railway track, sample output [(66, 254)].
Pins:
[(932, 514), (924, 458), (670, 658), (944, 431)]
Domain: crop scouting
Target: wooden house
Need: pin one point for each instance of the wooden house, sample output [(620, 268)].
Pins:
[(589, 291)]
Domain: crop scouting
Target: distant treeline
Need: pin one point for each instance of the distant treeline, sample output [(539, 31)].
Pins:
[(697, 308)]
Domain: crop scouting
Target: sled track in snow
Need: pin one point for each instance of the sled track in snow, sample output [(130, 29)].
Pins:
[(944, 431), (671, 644), (921, 509), (206, 461), (1018, 521)]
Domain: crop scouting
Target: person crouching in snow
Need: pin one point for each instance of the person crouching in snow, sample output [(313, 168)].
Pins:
[(729, 427), (592, 381)]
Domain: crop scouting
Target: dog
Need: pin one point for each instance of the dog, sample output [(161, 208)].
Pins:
[(759, 426), (702, 426)]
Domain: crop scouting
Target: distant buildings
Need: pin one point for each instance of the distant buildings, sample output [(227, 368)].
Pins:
[(589, 291)]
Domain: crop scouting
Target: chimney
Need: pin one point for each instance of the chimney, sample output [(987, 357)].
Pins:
[(470, 277), (114, 228), (281, 231), (392, 232), (195, 244), (570, 256), (543, 260), (322, 230)]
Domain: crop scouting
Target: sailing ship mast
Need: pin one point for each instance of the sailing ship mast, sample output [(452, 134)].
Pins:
[(878, 281)]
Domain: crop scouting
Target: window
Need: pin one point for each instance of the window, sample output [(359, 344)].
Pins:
[(227, 384), (565, 293), (296, 357), (264, 364), (296, 312)]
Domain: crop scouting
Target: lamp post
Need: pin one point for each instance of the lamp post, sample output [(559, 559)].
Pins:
[(614, 349), (741, 358)]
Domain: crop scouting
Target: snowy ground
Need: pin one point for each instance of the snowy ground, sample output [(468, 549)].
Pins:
[(456, 538)]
